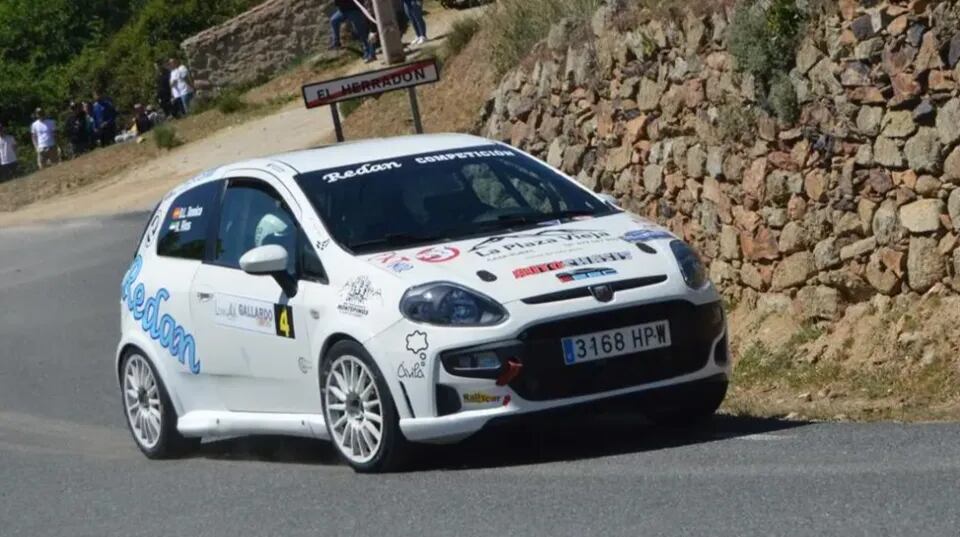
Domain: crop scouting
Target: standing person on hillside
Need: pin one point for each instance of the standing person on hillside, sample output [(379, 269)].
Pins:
[(43, 132), (164, 92), (180, 85), (104, 119), (358, 22), (336, 22), (414, 10), (8, 156), (78, 130)]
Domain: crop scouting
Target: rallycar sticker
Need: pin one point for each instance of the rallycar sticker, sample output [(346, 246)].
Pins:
[(553, 266), (503, 246), (364, 169), (438, 254), (355, 295), (481, 398), (164, 329), (393, 261), (254, 315)]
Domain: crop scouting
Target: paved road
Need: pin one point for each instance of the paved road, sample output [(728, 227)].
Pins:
[(68, 467)]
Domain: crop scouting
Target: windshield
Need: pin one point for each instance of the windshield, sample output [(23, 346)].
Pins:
[(441, 196)]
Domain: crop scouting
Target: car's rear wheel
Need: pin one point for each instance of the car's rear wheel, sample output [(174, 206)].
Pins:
[(359, 412), (151, 418)]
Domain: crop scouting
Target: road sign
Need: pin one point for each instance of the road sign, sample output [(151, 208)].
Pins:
[(370, 83)]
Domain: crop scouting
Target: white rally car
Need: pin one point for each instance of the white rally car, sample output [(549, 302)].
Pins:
[(387, 292)]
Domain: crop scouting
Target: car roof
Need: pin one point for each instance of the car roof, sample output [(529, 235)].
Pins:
[(347, 153)]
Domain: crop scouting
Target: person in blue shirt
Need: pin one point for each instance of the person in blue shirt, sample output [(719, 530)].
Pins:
[(104, 119)]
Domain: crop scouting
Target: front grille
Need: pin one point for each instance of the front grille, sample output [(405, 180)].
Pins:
[(580, 292), (545, 376)]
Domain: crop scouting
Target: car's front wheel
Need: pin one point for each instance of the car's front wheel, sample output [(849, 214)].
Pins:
[(359, 412), (150, 414)]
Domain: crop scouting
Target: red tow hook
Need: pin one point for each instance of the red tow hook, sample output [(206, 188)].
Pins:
[(510, 371)]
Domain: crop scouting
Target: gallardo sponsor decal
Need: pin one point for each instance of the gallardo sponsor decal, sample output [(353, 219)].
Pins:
[(574, 262), (254, 315), (163, 329), (520, 243), (364, 169)]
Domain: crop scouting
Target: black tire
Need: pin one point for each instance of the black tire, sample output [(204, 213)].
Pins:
[(392, 453), (693, 409), (170, 443)]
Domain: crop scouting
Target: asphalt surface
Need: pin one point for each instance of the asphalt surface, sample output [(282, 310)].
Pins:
[(69, 467)]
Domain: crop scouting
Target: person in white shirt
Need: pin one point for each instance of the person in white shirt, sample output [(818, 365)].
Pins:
[(180, 86), (8, 155), (44, 134)]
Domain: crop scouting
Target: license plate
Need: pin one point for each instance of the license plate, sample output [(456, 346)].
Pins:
[(617, 342)]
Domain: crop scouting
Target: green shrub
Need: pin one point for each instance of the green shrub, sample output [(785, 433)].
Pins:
[(350, 106), (735, 122), (166, 137), (230, 102), (519, 24), (460, 34), (782, 99)]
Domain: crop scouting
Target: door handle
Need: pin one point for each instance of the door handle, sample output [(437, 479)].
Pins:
[(203, 297)]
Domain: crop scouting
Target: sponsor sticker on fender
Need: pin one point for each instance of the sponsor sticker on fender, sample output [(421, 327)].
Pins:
[(438, 254), (254, 315)]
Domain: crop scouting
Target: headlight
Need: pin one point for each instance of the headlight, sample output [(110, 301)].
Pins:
[(694, 273), (450, 304)]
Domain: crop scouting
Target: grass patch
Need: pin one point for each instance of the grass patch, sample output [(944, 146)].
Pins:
[(349, 107), (760, 365), (166, 136), (460, 34), (519, 24), (230, 102)]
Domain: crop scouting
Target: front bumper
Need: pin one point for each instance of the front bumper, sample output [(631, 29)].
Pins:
[(465, 405)]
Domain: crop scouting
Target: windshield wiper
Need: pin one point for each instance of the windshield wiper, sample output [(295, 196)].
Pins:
[(396, 240), (569, 213)]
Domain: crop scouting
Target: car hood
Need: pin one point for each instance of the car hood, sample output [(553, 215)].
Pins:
[(545, 259)]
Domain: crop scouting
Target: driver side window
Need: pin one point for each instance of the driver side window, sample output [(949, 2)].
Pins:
[(253, 216)]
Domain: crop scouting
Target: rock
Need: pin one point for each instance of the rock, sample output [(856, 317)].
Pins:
[(653, 178), (898, 25), (953, 208), (777, 190), (793, 271), (715, 156), (855, 74), (729, 242), (887, 153), (880, 181), (759, 244), (796, 208), (775, 217), (649, 96), (948, 122), (915, 34), (866, 95), (815, 185), (817, 302), (859, 248), (925, 265), (868, 120), (572, 157), (792, 238), (823, 79), (940, 81), (722, 272), (922, 216), (869, 49), (893, 260), (807, 56), (624, 183), (884, 281), (929, 55), (555, 154), (906, 88), (924, 111), (895, 60), (864, 157), (898, 124), (862, 27), (751, 277), (619, 158), (754, 179), (951, 166), (953, 51), (850, 285), (886, 225), (923, 151), (825, 254), (927, 186), (865, 209)]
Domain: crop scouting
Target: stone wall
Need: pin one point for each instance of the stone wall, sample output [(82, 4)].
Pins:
[(258, 42), (861, 197)]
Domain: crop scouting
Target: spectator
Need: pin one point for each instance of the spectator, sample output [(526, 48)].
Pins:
[(358, 22), (180, 86), (336, 22), (79, 130), (164, 93), (8, 155), (154, 116), (43, 132), (141, 122), (104, 119), (414, 10)]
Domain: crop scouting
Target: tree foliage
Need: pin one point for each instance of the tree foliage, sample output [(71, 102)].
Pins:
[(52, 51)]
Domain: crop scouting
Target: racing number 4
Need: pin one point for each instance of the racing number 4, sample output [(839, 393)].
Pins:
[(284, 320)]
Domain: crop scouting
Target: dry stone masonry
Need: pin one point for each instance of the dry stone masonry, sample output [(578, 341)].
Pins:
[(258, 43), (860, 197)]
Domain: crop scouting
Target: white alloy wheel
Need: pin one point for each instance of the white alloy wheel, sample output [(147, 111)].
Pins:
[(141, 398), (353, 409)]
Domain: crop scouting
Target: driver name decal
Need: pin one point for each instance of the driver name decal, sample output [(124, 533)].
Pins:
[(364, 169), (163, 329)]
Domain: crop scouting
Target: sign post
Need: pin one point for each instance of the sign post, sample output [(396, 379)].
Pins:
[(406, 76)]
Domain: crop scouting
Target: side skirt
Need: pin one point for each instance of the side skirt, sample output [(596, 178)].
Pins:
[(223, 423)]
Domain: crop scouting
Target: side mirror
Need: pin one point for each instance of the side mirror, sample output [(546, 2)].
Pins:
[(264, 260), (270, 260)]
